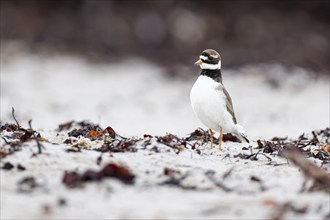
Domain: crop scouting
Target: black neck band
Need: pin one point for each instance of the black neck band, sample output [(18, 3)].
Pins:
[(213, 74)]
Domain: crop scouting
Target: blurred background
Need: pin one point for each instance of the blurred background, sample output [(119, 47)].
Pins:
[(271, 43), (170, 33)]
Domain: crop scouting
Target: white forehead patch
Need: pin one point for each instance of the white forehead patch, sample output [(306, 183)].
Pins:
[(214, 56), (203, 57)]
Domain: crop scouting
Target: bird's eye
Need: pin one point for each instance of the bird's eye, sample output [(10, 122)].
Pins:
[(210, 58)]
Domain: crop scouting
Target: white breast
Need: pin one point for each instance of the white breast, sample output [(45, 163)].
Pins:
[(209, 104)]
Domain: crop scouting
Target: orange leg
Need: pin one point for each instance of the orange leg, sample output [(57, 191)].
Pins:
[(220, 138), (211, 137)]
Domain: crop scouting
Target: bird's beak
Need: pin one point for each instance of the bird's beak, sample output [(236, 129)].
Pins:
[(199, 62)]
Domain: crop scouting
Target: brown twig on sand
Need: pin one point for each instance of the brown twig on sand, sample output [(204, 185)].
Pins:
[(282, 209), (36, 138), (219, 184), (320, 177), (13, 114)]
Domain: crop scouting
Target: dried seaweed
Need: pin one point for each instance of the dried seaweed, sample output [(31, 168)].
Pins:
[(319, 139), (204, 136), (119, 172), (176, 180), (199, 135), (29, 184), (282, 209), (170, 172), (147, 136), (99, 159), (252, 156), (46, 209), (65, 126), (15, 136), (259, 181), (62, 202), (86, 129), (20, 167), (10, 166), (218, 183), (74, 179), (13, 114), (68, 141), (7, 166), (320, 177), (129, 144), (228, 173), (9, 127), (40, 146), (81, 124), (73, 149), (125, 145), (110, 131), (172, 141)]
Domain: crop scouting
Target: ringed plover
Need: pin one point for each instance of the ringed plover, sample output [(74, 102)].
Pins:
[(211, 101)]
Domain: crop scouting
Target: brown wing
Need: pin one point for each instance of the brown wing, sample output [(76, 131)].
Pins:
[(229, 105)]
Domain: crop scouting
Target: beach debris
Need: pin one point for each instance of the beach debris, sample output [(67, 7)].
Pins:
[(252, 156), (13, 114), (125, 145), (29, 184), (170, 172), (62, 202), (259, 181), (204, 136), (228, 173), (65, 126), (210, 175), (99, 159), (86, 129), (201, 135), (7, 166), (119, 172), (20, 167), (73, 149), (187, 180), (46, 209), (315, 145), (320, 178), (73, 179), (175, 178), (172, 141), (83, 134), (14, 136), (82, 142), (280, 209), (40, 145), (325, 148), (147, 136), (10, 166)]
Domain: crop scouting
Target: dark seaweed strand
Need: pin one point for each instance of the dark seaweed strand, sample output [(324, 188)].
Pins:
[(36, 138)]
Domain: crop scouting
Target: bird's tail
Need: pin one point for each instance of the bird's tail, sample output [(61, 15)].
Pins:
[(241, 134), (242, 137)]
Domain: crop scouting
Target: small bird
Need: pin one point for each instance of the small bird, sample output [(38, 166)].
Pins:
[(211, 101)]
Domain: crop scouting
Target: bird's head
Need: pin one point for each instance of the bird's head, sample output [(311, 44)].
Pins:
[(209, 59)]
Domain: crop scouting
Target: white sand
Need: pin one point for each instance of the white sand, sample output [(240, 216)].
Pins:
[(135, 98)]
